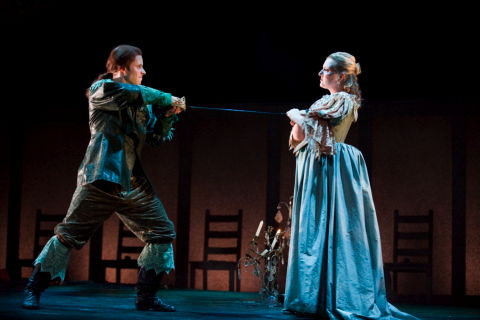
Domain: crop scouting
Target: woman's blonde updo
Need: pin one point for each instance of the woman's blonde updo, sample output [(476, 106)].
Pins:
[(345, 63)]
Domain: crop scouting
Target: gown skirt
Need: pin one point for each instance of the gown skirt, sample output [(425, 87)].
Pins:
[(335, 266)]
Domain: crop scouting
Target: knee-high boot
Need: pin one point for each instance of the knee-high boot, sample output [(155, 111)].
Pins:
[(147, 286), (37, 283)]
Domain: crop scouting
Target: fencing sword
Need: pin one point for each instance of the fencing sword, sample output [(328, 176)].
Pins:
[(236, 110), (180, 103)]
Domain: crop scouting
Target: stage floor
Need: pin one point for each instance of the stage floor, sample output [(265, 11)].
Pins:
[(109, 301)]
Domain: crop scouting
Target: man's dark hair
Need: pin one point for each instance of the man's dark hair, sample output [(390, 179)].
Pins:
[(120, 57)]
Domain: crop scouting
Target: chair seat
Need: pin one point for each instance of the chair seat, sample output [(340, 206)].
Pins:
[(214, 265), (408, 267), (123, 264), (26, 262)]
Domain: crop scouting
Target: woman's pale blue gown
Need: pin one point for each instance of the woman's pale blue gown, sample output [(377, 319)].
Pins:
[(335, 266)]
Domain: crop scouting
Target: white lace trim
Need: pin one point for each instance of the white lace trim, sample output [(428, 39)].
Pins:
[(157, 256), (54, 258)]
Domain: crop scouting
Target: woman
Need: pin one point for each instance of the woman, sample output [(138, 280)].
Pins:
[(123, 116), (335, 266)]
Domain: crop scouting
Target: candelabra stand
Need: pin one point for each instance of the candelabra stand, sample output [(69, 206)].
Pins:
[(266, 263)]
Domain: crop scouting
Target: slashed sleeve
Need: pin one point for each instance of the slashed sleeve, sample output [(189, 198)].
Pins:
[(111, 95), (334, 108)]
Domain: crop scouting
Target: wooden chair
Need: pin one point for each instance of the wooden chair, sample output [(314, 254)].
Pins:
[(44, 225), (414, 258), (127, 253), (208, 250)]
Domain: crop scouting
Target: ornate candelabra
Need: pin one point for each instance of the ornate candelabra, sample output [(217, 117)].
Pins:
[(266, 263)]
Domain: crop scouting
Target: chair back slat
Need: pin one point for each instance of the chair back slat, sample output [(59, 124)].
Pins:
[(413, 219), (45, 233), (52, 217), (413, 235), (234, 222), (131, 249), (413, 243), (414, 252), (221, 250), (223, 234), (225, 218), (42, 231)]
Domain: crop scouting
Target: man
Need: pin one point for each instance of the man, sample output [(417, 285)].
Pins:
[(123, 116)]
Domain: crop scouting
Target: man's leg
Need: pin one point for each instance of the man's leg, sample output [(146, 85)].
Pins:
[(154, 261), (145, 215), (88, 209), (51, 263)]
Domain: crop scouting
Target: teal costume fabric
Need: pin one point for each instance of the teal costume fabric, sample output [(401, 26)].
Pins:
[(335, 266)]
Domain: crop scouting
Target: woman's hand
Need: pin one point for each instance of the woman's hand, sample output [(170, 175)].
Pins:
[(296, 116)]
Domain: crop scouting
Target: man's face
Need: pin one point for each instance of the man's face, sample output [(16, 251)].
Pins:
[(135, 72)]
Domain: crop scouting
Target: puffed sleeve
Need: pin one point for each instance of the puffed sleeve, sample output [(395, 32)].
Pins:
[(157, 98), (335, 107), (110, 95)]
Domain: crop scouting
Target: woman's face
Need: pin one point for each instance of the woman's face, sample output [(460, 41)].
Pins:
[(329, 79), (135, 72)]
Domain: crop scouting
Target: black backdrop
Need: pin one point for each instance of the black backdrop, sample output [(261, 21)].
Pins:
[(236, 54)]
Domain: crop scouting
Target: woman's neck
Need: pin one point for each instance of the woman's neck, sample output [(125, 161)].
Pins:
[(335, 90)]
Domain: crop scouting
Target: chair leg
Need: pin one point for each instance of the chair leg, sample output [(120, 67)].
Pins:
[(429, 287), (231, 285), (237, 280), (192, 277), (395, 282), (205, 280), (388, 282)]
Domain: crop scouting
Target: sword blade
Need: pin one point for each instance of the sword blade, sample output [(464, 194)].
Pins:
[(237, 110)]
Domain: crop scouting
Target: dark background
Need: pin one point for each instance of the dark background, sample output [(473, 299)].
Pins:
[(243, 54)]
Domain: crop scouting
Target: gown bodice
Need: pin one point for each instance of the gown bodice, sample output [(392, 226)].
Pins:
[(341, 129)]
